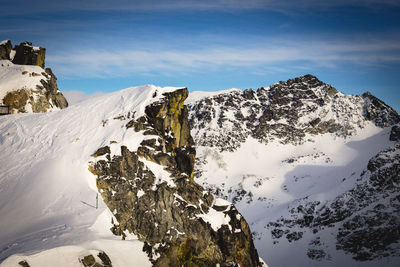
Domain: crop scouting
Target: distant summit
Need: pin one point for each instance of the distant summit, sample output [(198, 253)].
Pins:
[(25, 86)]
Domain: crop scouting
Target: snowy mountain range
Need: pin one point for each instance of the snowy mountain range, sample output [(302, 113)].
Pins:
[(295, 174)]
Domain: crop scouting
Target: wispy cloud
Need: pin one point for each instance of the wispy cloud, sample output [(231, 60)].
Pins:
[(267, 53)]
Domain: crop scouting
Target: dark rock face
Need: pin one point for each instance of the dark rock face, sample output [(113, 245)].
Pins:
[(395, 133), (170, 212), (26, 54), (370, 234), (285, 111), (52, 92), (5, 49)]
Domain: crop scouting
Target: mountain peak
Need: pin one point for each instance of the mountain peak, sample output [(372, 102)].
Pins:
[(289, 111)]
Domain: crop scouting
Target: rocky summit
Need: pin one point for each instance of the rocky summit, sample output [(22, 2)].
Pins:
[(25, 86), (179, 223), (286, 111)]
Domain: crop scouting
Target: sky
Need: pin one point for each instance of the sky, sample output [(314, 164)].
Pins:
[(100, 46)]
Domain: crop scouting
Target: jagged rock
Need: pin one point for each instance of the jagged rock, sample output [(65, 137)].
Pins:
[(26, 54), (377, 111), (5, 49), (395, 133), (286, 111), (170, 213)]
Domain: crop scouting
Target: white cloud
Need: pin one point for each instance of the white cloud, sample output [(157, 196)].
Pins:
[(268, 52)]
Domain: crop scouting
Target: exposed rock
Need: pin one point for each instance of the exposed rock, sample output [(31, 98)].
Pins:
[(91, 261), (39, 99), (17, 100), (286, 111), (26, 54), (377, 111), (5, 49), (24, 263), (170, 212), (395, 133), (52, 92)]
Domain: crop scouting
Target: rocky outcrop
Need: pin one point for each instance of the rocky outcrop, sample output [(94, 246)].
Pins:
[(5, 49), (395, 133), (152, 194), (286, 111), (26, 54), (37, 89), (38, 100)]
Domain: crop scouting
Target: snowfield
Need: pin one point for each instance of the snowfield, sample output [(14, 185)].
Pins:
[(48, 195)]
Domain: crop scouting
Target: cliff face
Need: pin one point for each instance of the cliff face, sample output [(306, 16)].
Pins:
[(152, 194), (24, 85)]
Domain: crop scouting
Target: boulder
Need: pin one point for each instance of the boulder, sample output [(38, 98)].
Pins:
[(26, 54)]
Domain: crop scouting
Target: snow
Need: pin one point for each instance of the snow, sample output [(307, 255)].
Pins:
[(46, 190), (11, 77), (197, 95), (216, 219), (140, 193), (12, 54), (276, 184), (161, 174)]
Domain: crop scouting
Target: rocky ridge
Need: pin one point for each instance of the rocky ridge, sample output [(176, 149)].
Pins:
[(25, 86), (290, 112), (152, 194)]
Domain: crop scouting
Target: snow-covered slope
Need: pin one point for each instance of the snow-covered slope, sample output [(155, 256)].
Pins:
[(134, 148), (296, 159), (47, 194)]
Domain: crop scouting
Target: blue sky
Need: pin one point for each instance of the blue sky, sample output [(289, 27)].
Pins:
[(103, 46)]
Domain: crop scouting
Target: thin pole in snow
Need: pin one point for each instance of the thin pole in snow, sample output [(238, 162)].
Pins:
[(97, 200)]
